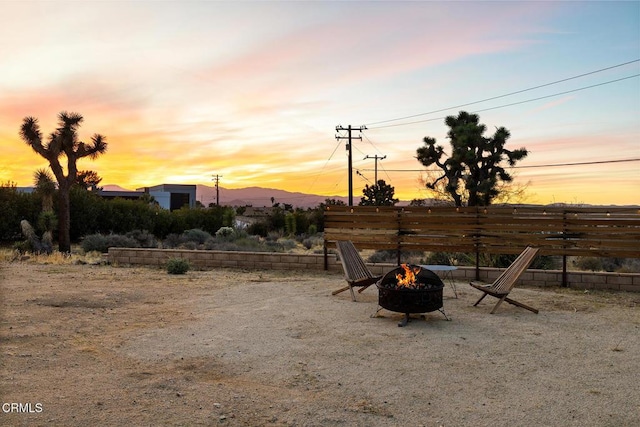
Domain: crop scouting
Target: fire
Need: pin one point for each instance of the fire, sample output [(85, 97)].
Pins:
[(408, 279)]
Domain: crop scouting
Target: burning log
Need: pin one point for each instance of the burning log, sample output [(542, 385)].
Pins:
[(411, 289)]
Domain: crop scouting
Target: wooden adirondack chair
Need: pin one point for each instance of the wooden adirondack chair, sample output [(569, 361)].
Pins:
[(356, 271), (507, 280)]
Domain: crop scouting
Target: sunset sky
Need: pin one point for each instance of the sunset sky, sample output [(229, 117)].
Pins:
[(253, 91)]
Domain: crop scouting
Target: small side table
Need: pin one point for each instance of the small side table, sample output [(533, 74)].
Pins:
[(447, 274)]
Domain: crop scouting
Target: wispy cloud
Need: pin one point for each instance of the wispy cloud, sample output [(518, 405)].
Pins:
[(253, 91)]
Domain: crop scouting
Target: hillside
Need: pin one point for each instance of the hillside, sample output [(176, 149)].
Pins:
[(258, 196)]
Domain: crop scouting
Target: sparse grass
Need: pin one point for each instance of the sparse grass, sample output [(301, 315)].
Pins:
[(55, 258)]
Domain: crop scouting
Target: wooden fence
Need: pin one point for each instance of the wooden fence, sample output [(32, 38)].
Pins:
[(564, 231)]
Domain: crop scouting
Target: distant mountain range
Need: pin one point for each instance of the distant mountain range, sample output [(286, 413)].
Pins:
[(258, 196), (253, 196)]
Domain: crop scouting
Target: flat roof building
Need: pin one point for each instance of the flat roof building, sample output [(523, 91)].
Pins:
[(172, 196)]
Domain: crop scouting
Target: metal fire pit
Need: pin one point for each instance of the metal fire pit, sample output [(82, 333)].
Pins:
[(424, 298)]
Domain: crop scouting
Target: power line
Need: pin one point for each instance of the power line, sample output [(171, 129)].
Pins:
[(600, 162), (386, 173), (322, 170), (371, 142), (505, 95), (513, 103)]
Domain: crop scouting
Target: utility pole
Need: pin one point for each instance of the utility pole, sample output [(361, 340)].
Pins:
[(376, 157), (350, 138), (216, 178)]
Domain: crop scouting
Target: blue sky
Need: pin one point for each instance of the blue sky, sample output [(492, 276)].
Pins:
[(253, 91)]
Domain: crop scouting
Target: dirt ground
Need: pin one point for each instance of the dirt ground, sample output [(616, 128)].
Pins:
[(99, 345)]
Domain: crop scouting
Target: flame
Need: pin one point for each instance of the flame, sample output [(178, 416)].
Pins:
[(408, 279)]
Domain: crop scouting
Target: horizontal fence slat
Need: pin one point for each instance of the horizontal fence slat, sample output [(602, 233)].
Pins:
[(580, 231)]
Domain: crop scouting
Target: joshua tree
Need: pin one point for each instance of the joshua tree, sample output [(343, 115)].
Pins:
[(63, 142), (475, 168)]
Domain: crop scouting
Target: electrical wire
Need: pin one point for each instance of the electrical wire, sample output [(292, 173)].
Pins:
[(507, 94), (386, 171), (372, 144), (321, 171), (513, 103), (599, 162)]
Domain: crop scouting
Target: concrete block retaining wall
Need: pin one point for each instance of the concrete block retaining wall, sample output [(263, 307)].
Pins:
[(283, 261), (201, 259), (545, 278)]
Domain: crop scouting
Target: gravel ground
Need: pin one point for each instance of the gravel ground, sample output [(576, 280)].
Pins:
[(98, 345)]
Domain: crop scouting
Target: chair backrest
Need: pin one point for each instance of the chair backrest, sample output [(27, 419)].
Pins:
[(507, 280), (354, 267)]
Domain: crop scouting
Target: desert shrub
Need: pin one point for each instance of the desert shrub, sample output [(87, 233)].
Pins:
[(440, 258), (243, 242), (144, 238), (242, 234), (177, 266), (211, 244), (391, 256), (225, 234), (172, 241), (22, 246), (94, 243), (606, 264), (273, 246), (414, 257), (273, 236), (546, 262), (310, 242), (612, 264), (196, 235), (313, 230), (189, 245), (225, 246), (259, 228), (120, 241), (630, 265), (287, 244), (250, 243), (100, 243), (387, 255), (588, 263)]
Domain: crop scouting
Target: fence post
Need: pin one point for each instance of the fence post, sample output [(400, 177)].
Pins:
[(399, 235), (477, 243), (326, 255), (564, 255)]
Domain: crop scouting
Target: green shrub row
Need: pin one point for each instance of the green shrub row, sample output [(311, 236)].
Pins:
[(91, 214)]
